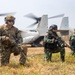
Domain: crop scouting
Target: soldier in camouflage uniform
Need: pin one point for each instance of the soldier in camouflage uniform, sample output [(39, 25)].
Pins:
[(52, 45), (10, 38), (72, 43)]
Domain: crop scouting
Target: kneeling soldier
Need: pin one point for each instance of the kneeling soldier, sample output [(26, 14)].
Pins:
[(72, 43), (53, 44), (10, 38)]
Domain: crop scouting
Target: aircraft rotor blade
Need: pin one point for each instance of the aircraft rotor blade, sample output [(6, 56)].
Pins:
[(31, 16), (61, 15), (4, 14), (33, 24)]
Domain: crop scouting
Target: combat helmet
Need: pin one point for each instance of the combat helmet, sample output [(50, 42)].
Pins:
[(53, 27), (9, 18)]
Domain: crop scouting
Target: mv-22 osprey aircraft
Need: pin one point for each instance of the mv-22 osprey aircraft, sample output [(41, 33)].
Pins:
[(34, 37)]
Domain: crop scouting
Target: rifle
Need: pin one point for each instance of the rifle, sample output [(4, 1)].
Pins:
[(6, 33), (21, 50), (60, 41), (19, 45)]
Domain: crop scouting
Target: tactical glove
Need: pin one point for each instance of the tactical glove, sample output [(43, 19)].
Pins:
[(3, 38)]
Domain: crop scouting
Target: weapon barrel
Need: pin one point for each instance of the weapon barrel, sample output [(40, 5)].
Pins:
[(62, 41)]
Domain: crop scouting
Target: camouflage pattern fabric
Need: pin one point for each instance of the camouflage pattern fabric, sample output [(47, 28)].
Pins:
[(48, 53), (72, 43), (6, 48), (51, 45)]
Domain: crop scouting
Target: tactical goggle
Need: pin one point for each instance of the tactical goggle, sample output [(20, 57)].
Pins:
[(10, 20)]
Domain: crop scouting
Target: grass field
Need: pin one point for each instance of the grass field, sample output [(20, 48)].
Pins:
[(38, 66)]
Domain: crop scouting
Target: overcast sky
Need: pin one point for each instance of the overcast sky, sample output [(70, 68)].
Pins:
[(38, 8)]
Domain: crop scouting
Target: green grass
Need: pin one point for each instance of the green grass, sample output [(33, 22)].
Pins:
[(37, 66)]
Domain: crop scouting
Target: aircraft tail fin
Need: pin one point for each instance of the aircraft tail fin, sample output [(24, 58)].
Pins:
[(43, 25), (64, 26)]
